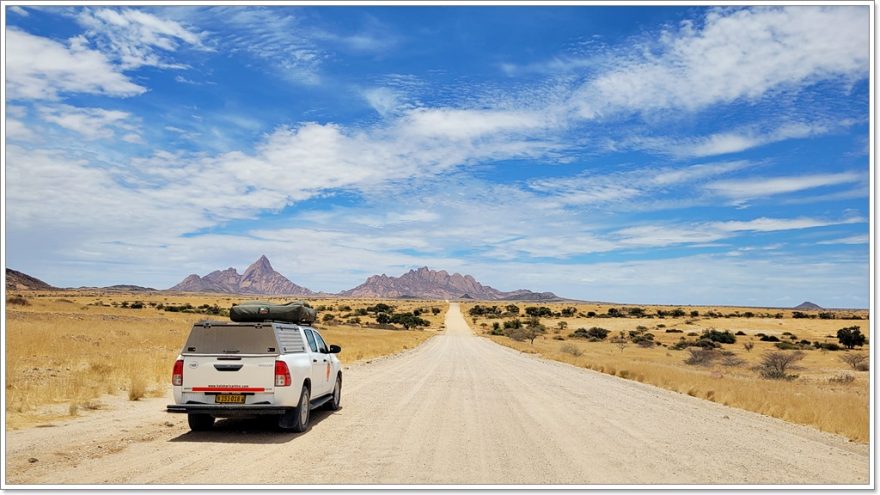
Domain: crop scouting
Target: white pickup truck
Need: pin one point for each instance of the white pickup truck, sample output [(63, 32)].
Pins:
[(247, 369)]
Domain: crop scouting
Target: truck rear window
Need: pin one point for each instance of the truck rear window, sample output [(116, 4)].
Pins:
[(231, 339)]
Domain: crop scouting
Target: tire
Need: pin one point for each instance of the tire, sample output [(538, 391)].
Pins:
[(200, 422), (297, 420), (334, 403)]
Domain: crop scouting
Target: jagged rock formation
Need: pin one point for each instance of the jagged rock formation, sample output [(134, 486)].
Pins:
[(259, 278), (430, 284)]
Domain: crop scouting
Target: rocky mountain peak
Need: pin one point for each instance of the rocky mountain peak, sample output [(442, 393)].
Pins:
[(434, 284), (258, 278)]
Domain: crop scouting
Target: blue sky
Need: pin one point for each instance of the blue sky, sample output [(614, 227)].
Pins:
[(633, 154)]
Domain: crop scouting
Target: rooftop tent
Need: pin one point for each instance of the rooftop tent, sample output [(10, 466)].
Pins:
[(293, 312)]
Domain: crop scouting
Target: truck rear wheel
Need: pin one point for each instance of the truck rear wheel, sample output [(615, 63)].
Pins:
[(297, 419), (200, 422)]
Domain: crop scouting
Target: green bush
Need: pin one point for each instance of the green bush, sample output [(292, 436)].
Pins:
[(724, 337)]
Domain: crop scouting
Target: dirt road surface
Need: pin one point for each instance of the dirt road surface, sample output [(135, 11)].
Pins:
[(457, 410)]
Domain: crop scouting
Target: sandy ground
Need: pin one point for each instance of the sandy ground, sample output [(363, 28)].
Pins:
[(459, 409)]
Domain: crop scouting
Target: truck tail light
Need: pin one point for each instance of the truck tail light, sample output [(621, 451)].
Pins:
[(282, 374), (177, 374)]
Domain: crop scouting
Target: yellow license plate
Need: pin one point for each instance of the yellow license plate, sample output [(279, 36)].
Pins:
[(229, 399)]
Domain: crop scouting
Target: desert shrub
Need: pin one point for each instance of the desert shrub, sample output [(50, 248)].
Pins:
[(409, 320), (18, 300), (842, 379), (776, 365), (826, 316), (328, 317), (769, 338), (692, 334), (538, 311), (435, 311), (858, 362), (850, 337), (724, 337), (739, 332), (591, 314), (593, 333), (568, 312), (558, 337), (701, 357), (786, 346), (137, 388), (514, 323), (827, 346), (730, 359), (748, 346), (571, 349), (645, 343), (672, 330), (707, 344)]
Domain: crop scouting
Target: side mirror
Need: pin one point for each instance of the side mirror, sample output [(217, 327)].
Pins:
[(335, 349)]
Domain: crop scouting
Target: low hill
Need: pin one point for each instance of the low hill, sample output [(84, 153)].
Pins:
[(16, 280), (807, 305)]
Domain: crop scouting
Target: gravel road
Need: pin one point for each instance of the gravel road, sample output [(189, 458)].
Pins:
[(459, 409)]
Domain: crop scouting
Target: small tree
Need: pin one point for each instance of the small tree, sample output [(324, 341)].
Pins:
[(562, 325), (776, 365), (858, 362), (749, 346), (620, 341), (850, 337)]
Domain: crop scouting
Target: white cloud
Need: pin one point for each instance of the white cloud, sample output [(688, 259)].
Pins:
[(764, 224), (735, 54), (19, 10), (855, 239), (669, 234), (467, 124), (40, 68), (757, 187), (385, 101), (618, 188), (91, 123), (733, 142), (135, 37), (17, 130)]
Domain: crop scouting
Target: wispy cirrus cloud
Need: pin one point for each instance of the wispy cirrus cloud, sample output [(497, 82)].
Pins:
[(853, 239), (757, 187), (136, 38), (618, 187), (668, 234), (92, 123)]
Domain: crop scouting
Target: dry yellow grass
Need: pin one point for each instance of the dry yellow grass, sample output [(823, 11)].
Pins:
[(65, 349), (812, 399)]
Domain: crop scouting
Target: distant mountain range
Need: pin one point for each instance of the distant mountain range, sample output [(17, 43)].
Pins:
[(259, 278), (425, 283)]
